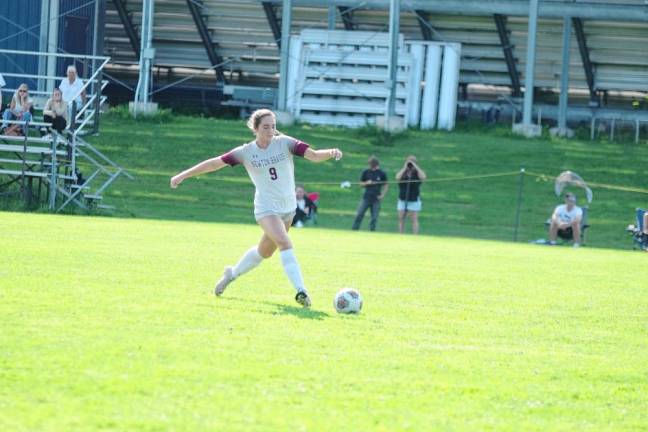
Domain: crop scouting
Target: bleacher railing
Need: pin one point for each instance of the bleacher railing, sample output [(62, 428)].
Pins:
[(82, 120)]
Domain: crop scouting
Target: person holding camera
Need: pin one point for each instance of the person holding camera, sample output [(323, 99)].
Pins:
[(409, 179)]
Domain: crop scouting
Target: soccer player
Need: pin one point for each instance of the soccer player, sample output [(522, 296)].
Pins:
[(269, 163)]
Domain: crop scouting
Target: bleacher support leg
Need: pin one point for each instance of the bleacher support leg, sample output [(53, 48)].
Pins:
[(97, 102), (52, 188)]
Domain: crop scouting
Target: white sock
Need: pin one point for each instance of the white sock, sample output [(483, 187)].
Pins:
[(291, 267), (248, 261)]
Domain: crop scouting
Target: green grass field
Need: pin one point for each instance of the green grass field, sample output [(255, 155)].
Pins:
[(475, 208), (110, 324)]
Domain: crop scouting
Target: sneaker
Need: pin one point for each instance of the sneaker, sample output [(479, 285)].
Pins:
[(576, 245), (303, 299), (228, 276)]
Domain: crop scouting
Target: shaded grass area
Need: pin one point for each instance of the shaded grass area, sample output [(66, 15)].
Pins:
[(482, 208), (110, 324)]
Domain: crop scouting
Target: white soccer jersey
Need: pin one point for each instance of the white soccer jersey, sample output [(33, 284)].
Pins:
[(567, 216), (272, 171)]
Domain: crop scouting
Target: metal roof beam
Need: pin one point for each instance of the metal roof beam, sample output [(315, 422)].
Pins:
[(214, 58), (548, 8), (347, 17), (500, 22), (424, 23), (273, 21), (585, 57), (125, 18)]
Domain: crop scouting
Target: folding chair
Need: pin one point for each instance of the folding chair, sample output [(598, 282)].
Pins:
[(314, 196), (639, 238)]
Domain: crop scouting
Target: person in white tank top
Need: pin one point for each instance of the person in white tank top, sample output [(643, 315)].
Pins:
[(268, 161), (566, 220)]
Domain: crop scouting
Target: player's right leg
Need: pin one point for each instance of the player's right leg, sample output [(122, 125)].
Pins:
[(248, 261)]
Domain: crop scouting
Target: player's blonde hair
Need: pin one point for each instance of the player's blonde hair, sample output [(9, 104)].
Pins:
[(255, 118)]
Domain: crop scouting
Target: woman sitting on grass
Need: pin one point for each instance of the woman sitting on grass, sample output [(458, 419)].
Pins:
[(269, 163)]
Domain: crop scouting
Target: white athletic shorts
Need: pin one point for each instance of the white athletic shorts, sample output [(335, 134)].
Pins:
[(413, 206), (286, 217)]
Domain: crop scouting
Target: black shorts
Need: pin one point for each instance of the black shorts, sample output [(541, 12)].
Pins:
[(566, 234)]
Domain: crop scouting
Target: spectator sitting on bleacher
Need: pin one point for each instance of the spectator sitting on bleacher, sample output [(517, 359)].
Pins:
[(305, 210), (55, 112), (71, 86), (19, 108)]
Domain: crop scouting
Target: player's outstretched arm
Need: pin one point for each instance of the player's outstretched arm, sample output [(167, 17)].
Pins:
[(209, 165), (322, 155)]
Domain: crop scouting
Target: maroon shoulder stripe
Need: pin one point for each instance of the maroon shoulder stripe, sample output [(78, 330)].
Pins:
[(300, 148), (230, 159)]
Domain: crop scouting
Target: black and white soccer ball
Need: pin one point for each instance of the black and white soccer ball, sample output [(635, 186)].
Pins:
[(347, 301)]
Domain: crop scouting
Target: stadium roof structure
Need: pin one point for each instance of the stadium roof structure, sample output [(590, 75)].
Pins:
[(239, 39)]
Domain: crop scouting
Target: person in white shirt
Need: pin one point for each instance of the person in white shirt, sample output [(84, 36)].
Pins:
[(71, 86), (2, 84), (566, 221), (268, 161)]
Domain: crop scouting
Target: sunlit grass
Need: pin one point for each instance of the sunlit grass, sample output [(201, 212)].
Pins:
[(111, 324)]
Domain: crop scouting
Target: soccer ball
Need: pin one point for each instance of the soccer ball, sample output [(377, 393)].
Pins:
[(347, 300)]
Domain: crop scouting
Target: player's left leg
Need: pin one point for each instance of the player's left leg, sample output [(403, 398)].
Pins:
[(401, 221), (277, 230), (415, 222)]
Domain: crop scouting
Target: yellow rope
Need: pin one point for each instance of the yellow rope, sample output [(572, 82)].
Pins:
[(597, 185)]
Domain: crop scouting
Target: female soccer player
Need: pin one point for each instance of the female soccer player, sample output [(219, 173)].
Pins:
[(269, 163)]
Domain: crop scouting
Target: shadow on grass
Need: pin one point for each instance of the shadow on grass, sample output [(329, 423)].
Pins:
[(300, 312), (283, 309)]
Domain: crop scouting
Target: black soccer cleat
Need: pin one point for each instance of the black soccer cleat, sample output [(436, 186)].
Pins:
[(303, 299)]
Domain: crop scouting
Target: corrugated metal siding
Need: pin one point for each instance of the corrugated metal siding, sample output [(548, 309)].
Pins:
[(15, 17), (76, 8)]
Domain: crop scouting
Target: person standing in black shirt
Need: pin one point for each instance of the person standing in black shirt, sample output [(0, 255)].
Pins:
[(409, 197), (374, 180)]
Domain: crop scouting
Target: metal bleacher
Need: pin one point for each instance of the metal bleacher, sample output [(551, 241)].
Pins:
[(72, 170), (242, 35)]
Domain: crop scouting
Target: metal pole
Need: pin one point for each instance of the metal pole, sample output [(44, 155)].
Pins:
[(332, 16), (564, 78), (23, 191), (530, 62), (142, 92), (394, 24), (97, 50), (52, 44), (52, 188), (519, 205), (286, 21)]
